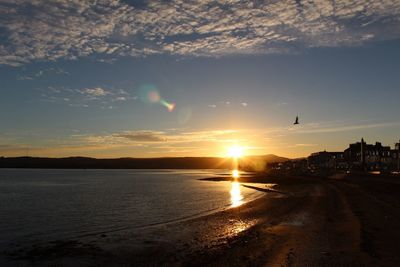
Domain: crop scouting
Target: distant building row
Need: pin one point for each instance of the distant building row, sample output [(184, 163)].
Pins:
[(358, 156)]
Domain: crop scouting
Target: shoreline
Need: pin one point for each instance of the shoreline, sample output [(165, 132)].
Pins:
[(320, 222), (46, 253), (107, 240)]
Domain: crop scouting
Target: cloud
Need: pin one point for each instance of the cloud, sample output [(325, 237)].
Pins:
[(146, 137), (123, 143), (21, 149), (97, 91), (305, 145), (23, 78), (120, 98), (94, 96), (41, 73), (143, 136), (124, 138), (206, 135), (280, 104), (228, 104), (71, 29), (346, 128), (327, 127)]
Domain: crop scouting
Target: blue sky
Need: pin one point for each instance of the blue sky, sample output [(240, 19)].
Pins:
[(75, 76)]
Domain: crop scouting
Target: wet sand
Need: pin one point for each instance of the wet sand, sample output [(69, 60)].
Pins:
[(351, 221)]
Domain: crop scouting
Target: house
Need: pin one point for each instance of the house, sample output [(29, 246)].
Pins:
[(396, 157), (371, 157), (358, 156), (327, 160)]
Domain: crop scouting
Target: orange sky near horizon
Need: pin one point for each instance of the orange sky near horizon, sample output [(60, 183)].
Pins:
[(291, 142)]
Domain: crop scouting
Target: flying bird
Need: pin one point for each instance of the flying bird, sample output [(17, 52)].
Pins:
[(297, 120)]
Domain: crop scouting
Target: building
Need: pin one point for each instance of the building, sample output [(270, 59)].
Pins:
[(396, 157), (358, 156), (370, 157), (290, 166), (327, 160)]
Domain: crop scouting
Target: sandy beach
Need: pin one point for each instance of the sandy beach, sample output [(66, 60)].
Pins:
[(350, 221)]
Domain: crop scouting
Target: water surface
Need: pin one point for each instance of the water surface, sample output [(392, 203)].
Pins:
[(55, 204)]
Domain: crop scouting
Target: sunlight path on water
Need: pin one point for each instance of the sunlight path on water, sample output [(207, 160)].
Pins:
[(236, 195)]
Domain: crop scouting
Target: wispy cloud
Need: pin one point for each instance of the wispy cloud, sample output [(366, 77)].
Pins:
[(40, 73), (146, 137), (95, 92), (124, 143), (327, 127), (24, 77), (345, 128), (69, 29), (305, 145), (99, 96), (280, 104), (298, 141), (227, 104), (143, 136)]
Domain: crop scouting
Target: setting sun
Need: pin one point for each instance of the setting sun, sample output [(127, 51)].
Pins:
[(235, 151)]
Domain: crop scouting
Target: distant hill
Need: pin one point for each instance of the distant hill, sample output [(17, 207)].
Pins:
[(250, 162)]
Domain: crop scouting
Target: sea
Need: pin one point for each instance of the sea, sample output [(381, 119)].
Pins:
[(38, 204)]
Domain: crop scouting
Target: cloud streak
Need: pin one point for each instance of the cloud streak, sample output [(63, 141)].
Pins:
[(95, 92), (327, 127), (34, 30), (146, 137), (138, 143), (143, 136), (346, 128), (97, 96)]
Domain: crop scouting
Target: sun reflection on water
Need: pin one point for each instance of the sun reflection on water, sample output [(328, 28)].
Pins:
[(236, 195)]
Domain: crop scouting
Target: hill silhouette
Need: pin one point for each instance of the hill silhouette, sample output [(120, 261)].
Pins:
[(134, 163)]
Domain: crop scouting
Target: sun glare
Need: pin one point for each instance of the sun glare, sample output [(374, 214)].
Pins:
[(235, 151), (236, 195), (235, 174)]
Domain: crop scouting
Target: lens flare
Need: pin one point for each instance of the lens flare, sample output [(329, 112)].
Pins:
[(148, 93), (169, 106), (235, 174), (153, 97)]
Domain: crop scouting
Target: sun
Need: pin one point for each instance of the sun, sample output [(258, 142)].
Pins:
[(235, 151)]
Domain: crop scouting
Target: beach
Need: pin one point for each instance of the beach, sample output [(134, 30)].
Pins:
[(309, 221)]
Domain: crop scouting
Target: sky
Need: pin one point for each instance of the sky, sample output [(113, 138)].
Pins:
[(114, 78)]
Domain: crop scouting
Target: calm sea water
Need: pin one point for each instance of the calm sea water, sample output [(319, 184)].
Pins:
[(54, 204)]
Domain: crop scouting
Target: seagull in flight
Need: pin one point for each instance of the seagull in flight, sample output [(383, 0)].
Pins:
[(296, 121)]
